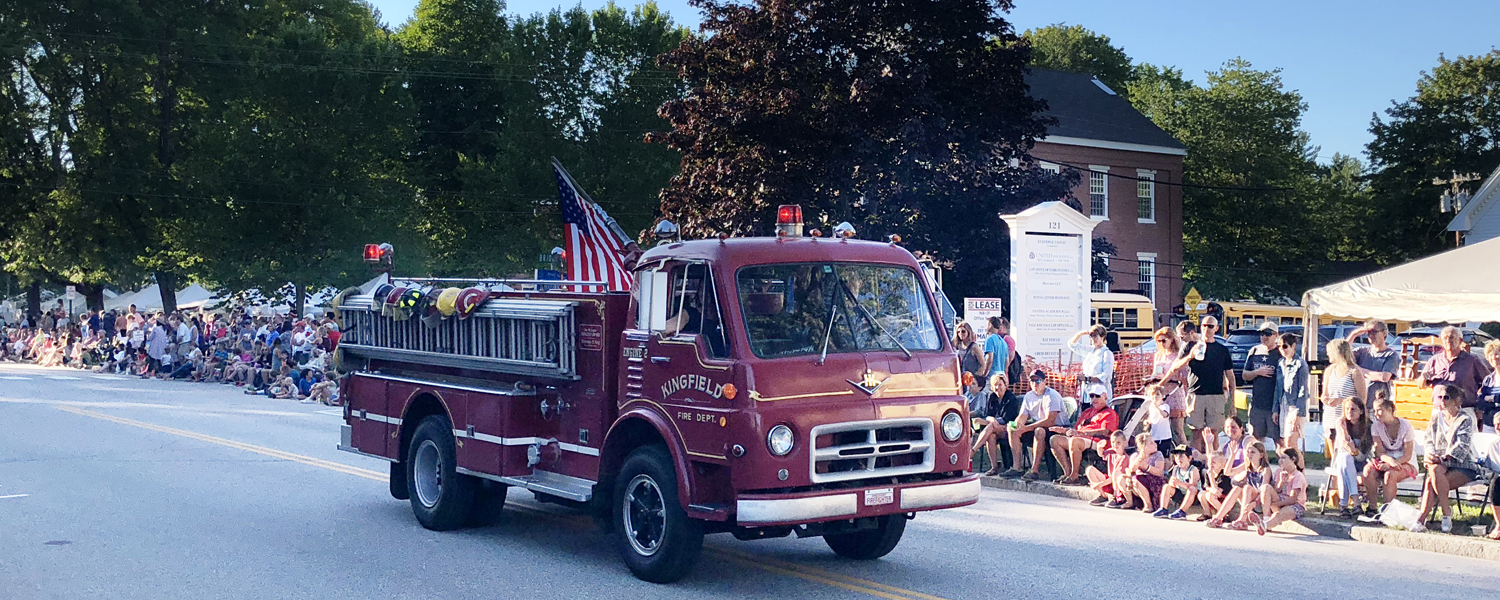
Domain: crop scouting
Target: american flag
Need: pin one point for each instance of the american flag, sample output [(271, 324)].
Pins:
[(595, 244)]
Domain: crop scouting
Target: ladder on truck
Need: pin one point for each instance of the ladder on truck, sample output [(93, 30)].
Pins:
[(527, 337)]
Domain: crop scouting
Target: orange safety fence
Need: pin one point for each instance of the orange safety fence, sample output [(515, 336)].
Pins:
[(1132, 369)]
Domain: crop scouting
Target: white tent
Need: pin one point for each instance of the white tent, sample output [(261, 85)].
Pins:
[(1456, 286), (149, 298)]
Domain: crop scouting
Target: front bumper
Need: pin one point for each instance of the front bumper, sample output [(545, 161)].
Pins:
[(789, 509)]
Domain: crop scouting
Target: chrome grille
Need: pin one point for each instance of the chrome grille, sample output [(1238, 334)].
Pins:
[(864, 449)]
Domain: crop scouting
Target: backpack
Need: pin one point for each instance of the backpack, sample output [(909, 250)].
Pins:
[(1013, 370)]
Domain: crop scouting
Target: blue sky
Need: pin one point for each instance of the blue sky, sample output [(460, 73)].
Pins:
[(1348, 58)]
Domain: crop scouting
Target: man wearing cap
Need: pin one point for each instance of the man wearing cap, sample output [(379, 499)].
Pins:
[(1260, 372), (1092, 432), (1378, 361), (1039, 410)]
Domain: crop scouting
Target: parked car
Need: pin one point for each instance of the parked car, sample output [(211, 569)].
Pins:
[(1240, 342), (1475, 338)]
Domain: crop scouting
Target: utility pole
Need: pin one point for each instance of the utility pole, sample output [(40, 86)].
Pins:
[(1454, 198)]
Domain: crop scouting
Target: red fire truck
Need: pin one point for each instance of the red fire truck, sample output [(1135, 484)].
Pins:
[(753, 386)]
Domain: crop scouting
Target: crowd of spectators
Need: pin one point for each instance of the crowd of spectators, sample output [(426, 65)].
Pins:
[(283, 357), (1250, 473)]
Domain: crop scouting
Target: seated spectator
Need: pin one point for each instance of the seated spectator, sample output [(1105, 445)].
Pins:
[(325, 392), (1351, 443), (1040, 409), (1107, 485), (1488, 404), (1225, 462), (1146, 469), (985, 406), (1246, 488), (1392, 452), (1450, 453), (1287, 500), (1184, 477), (1091, 433), (1491, 463)]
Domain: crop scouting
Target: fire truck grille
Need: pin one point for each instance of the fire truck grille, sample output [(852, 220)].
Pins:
[(866, 449)]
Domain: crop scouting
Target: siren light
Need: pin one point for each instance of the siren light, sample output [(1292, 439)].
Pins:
[(789, 220)]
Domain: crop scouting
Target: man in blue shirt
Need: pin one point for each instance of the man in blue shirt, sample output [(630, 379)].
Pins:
[(996, 352)]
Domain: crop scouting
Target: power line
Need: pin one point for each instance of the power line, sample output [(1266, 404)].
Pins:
[(1083, 169)]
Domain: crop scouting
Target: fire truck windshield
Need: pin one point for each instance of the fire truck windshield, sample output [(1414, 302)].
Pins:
[(835, 308)]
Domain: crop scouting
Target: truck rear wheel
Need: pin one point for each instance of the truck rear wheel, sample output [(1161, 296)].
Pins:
[(441, 497), (871, 543), (657, 540)]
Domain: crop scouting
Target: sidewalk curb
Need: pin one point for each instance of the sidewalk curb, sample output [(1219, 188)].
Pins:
[(1430, 542), (1307, 525)]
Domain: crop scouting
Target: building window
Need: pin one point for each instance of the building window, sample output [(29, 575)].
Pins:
[(1146, 275), (1100, 286), (1099, 192), (1145, 194), (1052, 168)]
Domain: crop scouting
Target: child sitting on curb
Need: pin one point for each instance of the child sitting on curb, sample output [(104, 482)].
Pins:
[(1108, 485), (1184, 476), (1146, 468), (1287, 501)]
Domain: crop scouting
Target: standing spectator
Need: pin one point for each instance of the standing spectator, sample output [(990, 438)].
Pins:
[(1453, 366), (1091, 433), (1098, 361), (1260, 371), (1488, 404), (1172, 380), (1040, 409), (122, 324), (1289, 409), (156, 345), (1341, 381), (996, 352), (1211, 376), (1287, 500), (1185, 477), (1450, 454), (970, 354), (1378, 361), (1013, 363), (1392, 451), (1351, 443)]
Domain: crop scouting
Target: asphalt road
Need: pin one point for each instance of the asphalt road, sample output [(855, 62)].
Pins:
[(114, 487)]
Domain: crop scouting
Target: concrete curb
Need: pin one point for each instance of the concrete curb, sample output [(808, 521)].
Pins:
[(1430, 542), (1307, 525)]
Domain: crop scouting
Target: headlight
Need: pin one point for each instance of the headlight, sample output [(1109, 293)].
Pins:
[(953, 426), (779, 440)]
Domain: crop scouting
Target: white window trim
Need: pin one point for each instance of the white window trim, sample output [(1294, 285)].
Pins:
[(1105, 170), (1146, 174), (1147, 257), (1105, 284), (1050, 167)]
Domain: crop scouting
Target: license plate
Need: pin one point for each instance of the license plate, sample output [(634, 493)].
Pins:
[(880, 496)]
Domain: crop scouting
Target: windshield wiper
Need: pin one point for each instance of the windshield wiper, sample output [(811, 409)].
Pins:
[(832, 316), (871, 318)]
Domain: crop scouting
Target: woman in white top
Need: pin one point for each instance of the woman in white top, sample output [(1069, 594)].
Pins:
[(1098, 361), (1390, 455), (1341, 381)]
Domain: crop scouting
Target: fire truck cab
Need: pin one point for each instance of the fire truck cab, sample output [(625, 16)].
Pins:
[(755, 386)]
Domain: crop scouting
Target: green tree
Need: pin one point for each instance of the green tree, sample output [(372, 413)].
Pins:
[(1074, 49), (1253, 164), (1451, 126), (901, 118)]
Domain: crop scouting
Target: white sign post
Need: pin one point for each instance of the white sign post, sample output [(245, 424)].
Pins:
[(977, 313), (1051, 265)]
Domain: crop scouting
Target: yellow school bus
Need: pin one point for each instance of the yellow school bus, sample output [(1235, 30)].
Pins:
[(1249, 315), (1132, 316)]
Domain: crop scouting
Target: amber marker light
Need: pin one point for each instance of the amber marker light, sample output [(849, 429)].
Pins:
[(730, 391)]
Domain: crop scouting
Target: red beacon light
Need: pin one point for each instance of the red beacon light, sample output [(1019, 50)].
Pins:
[(789, 220), (376, 253)]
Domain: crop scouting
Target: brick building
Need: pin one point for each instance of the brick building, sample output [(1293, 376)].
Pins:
[(1123, 160)]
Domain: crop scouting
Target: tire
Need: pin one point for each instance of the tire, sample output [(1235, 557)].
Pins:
[(440, 496), (398, 481), (871, 543), (489, 501), (656, 538)]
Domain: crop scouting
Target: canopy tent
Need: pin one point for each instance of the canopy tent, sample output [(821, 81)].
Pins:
[(149, 299), (1456, 286)]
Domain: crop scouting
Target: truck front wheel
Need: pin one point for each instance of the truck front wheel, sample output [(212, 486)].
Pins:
[(441, 497), (870, 544), (657, 540)]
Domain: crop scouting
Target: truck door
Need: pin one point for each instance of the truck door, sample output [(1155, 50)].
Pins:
[(687, 352)]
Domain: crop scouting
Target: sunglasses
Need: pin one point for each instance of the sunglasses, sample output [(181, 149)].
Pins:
[(1209, 326), (1096, 395)]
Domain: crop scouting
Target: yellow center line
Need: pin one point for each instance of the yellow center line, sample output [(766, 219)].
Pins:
[(771, 565)]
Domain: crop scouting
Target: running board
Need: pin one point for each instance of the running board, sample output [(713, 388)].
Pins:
[(544, 482)]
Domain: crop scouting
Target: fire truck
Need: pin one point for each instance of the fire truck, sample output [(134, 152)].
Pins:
[(761, 387)]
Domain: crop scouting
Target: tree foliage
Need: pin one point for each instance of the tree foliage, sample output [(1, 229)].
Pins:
[(1451, 126), (1075, 49), (898, 117)]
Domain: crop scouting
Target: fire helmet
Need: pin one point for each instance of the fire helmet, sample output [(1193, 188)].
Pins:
[(447, 301), (377, 299), (469, 300), (391, 307)]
